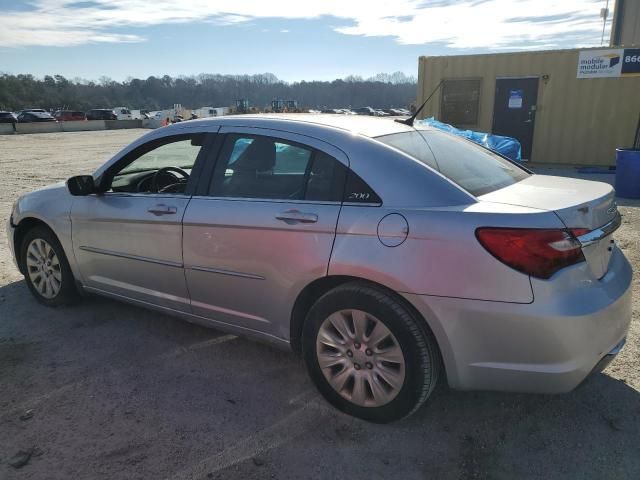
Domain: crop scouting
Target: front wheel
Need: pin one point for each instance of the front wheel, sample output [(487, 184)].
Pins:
[(46, 268), (368, 354)]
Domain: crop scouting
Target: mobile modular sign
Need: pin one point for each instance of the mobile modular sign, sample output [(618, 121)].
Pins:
[(617, 62)]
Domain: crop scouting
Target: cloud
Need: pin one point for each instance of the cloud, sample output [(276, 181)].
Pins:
[(456, 24)]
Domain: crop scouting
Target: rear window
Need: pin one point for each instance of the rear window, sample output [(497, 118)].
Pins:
[(472, 167)]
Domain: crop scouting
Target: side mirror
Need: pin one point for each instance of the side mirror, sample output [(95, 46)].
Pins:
[(81, 185)]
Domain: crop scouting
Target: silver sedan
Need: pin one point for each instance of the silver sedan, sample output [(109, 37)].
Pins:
[(387, 255)]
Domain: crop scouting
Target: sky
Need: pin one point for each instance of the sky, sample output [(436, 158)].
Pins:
[(294, 39)]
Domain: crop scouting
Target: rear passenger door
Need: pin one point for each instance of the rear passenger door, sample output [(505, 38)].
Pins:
[(262, 228)]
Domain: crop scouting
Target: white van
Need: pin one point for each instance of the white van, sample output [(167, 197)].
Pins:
[(204, 112), (123, 113)]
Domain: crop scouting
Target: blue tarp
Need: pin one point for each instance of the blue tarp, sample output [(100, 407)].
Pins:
[(507, 146)]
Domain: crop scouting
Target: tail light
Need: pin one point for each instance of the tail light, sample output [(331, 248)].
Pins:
[(536, 252)]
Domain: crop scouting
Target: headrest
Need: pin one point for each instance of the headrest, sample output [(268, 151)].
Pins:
[(260, 156)]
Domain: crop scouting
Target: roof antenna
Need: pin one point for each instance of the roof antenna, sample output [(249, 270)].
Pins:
[(409, 121)]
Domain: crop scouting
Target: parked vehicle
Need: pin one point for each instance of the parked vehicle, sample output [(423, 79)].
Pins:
[(40, 110), (388, 256), (139, 114), (395, 111), (8, 117), (365, 111), (205, 112), (69, 115), (123, 113), (101, 114), (35, 116)]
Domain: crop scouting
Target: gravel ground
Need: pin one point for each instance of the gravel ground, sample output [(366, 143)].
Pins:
[(106, 390)]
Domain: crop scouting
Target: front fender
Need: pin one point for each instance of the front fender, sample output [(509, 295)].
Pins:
[(51, 206)]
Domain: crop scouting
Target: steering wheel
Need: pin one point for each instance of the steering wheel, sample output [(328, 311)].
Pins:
[(167, 171)]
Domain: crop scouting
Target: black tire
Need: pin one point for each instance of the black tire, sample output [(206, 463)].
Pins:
[(67, 293), (418, 345)]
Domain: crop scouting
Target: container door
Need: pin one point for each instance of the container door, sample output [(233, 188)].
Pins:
[(514, 110)]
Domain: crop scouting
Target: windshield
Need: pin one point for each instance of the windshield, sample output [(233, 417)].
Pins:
[(471, 166)]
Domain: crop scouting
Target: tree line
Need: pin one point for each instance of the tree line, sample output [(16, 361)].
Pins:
[(153, 93)]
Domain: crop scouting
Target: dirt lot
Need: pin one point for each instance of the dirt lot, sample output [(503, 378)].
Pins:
[(105, 390)]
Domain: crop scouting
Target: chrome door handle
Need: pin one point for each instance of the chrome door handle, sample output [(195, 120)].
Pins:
[(296, 216), (162, 210)]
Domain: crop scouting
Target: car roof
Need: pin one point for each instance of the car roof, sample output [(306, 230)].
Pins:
[(300, 122)]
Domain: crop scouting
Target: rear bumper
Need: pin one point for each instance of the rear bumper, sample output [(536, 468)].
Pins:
[(609, 357), (548, 346)]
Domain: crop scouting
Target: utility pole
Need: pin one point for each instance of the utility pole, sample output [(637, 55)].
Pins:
[(604, 13)]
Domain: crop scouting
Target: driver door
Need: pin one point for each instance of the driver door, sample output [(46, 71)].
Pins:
[(128, 240)]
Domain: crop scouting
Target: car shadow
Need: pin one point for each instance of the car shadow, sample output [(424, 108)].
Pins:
[(591, 432)]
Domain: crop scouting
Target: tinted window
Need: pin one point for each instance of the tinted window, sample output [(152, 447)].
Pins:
[(326, 178), (459, 101), (271, 168), (413, 144), (471, 166)]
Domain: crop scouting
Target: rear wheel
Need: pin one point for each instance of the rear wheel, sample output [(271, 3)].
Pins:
[(46, 268), (368, 354)]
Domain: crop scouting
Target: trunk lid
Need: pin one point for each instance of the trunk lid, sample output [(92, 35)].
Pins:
[(580, 204)]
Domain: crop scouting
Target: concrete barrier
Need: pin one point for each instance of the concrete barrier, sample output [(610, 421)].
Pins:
[(6, 129), (121, 124), (151, 123), (83, 126), (38, 127), (79, 126)]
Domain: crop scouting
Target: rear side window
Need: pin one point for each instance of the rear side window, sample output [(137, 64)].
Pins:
[(326, 178), (472, 167), (270, 168)]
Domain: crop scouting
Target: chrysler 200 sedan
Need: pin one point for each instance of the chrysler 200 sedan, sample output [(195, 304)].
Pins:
[(387, 255)]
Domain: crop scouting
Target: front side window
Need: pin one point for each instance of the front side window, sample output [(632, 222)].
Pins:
[(472, 167), (160, 166), (269, 168)]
